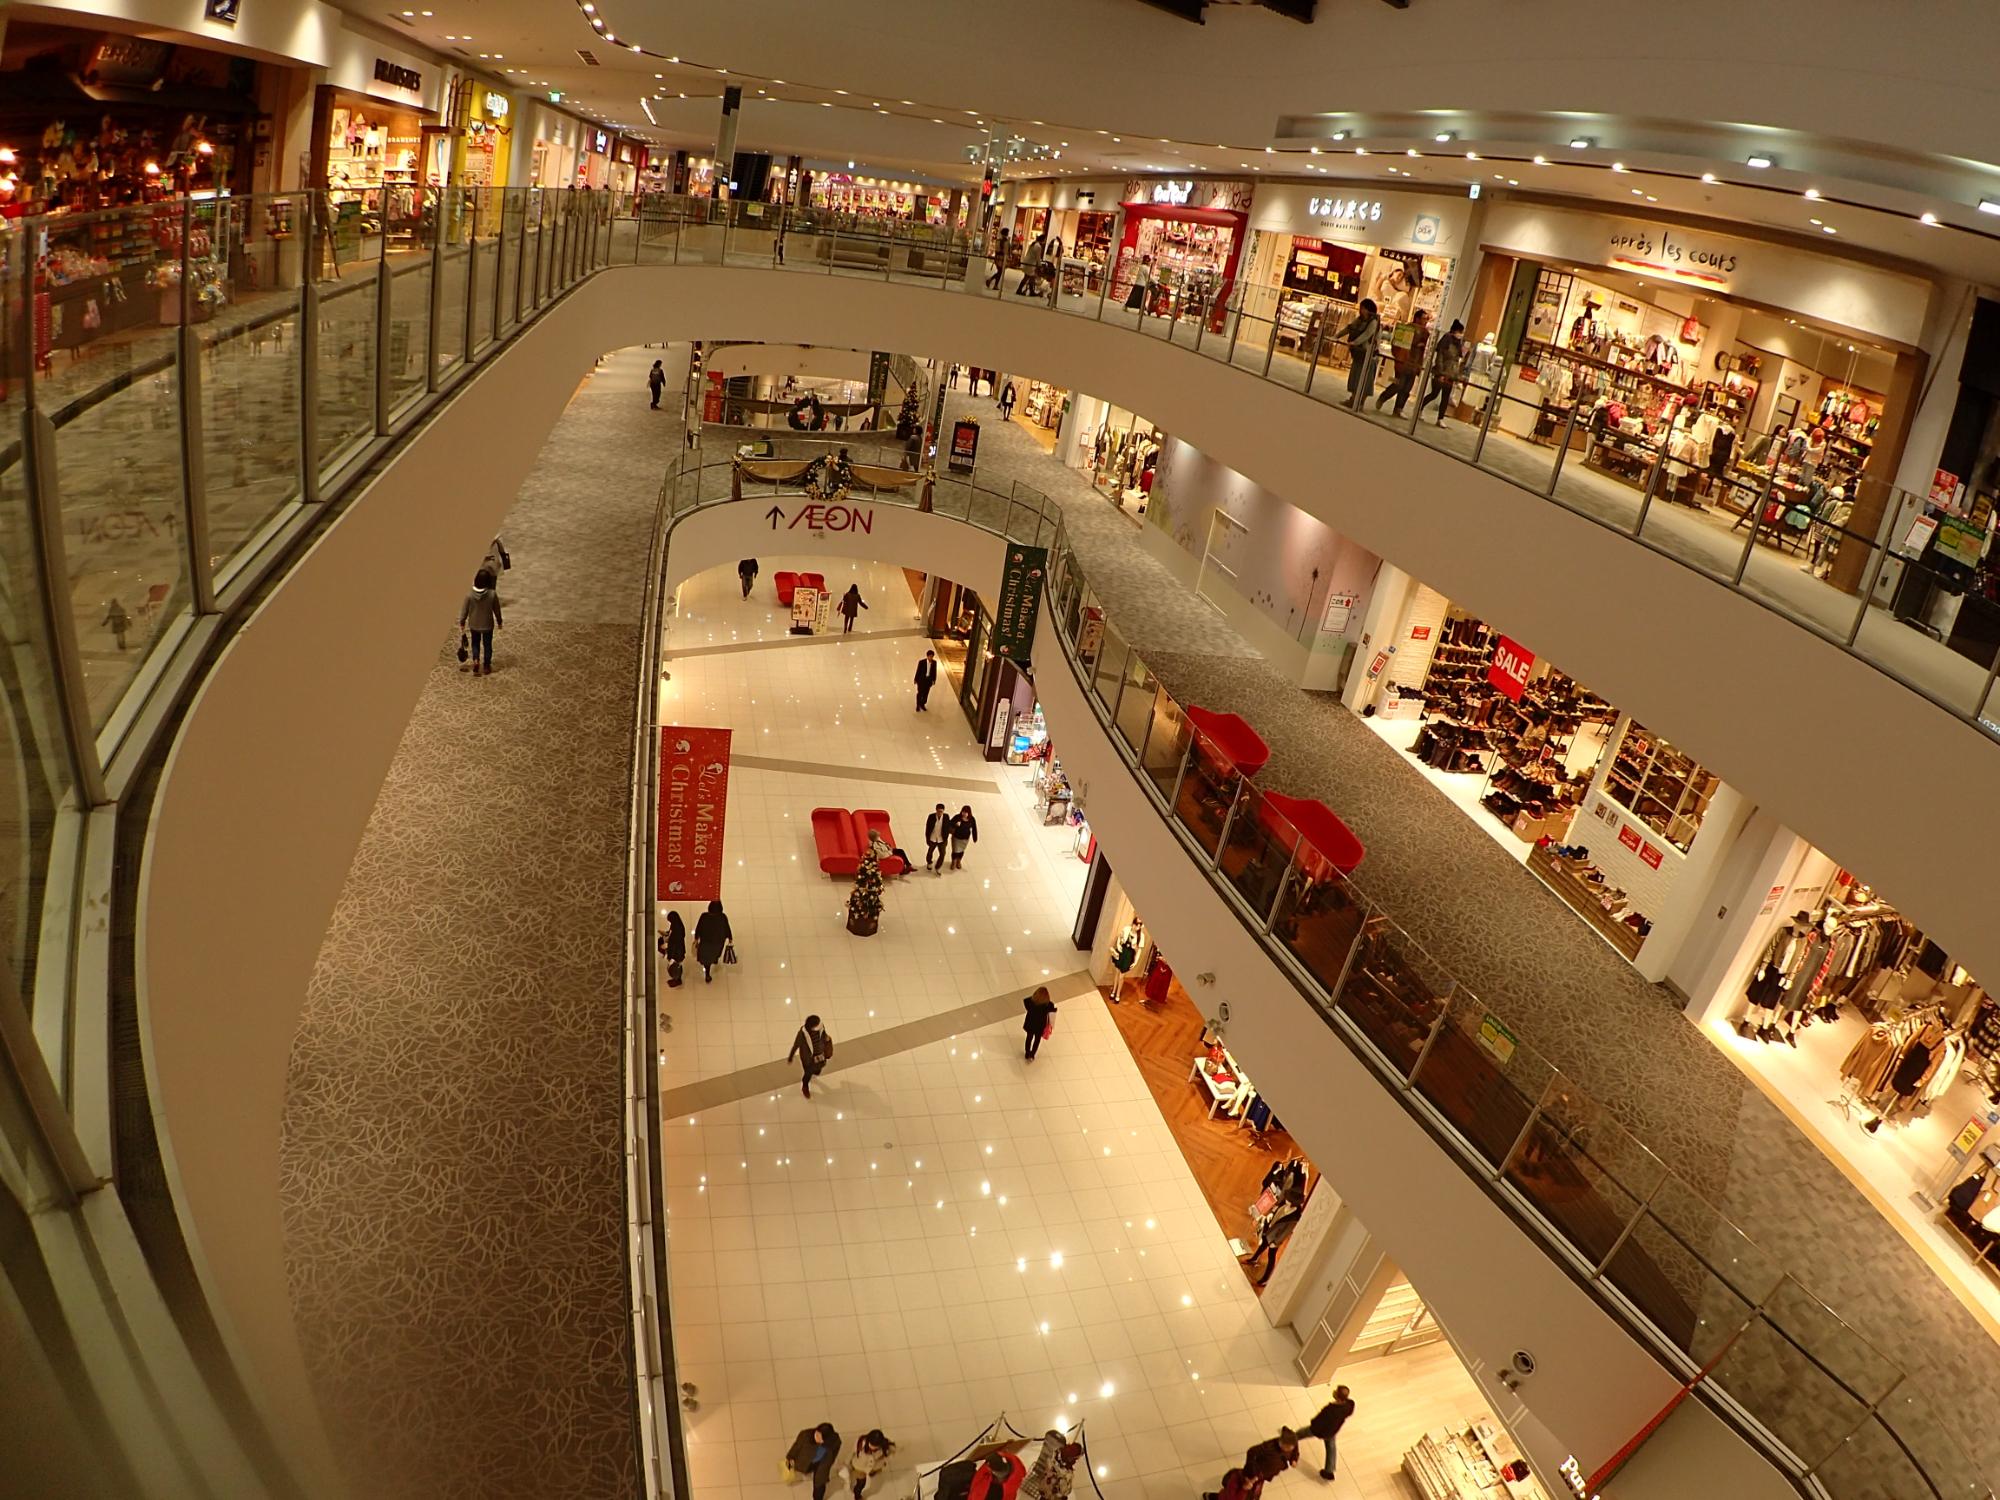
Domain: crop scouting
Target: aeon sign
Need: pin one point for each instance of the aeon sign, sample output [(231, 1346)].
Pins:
[(1354, 210)]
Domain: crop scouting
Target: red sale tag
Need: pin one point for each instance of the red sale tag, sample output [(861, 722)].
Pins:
[(1651, 856), (1510, 668), (1628, 838)]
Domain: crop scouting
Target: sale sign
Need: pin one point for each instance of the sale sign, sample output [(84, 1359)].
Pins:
[(1510, 667), (694, 796), (1652, 854), (1629, 838)]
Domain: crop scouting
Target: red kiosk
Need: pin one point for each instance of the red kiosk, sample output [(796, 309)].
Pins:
[(1194, 230)]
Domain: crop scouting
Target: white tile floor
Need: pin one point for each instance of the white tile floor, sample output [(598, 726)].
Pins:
[(948, 1233)]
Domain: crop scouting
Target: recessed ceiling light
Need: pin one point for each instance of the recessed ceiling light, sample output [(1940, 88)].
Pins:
[(1360, 150), (1813, 193), (1815, 222), (1581, 143), (1828, 229), (1651, 199), (1708, 177), (1412, 151), (1472, 156), (1927, 218), (1759, 162), (1541, 161), (1989, 206), (1314, 150), (1618, 166), (1442, 136), (1340, 135), (1513, 182)]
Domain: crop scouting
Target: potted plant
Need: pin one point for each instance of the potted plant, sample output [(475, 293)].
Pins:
[(864, 904)]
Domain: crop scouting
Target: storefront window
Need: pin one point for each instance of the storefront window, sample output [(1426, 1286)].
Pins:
[(1665, 789)]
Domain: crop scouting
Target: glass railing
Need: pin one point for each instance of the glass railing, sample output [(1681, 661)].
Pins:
[(184, 382), (1850, 569), (1825, 1402)]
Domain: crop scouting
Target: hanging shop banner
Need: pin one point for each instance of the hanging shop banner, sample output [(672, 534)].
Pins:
[(694, 796), (964, 446), (1510, 667), (1021, 580)]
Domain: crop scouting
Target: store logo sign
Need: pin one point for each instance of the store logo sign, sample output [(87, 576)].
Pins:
[(397, 76), (496, 105), (1352, 210), (1173, 192), (1509, 668), (1426, 229), (1672, 253), (1572, 1473)]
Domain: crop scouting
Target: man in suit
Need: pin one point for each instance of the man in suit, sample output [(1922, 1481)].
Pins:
[(926, 678), (937, 828)]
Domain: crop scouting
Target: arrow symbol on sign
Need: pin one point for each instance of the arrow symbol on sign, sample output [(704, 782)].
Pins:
[(774, 516)]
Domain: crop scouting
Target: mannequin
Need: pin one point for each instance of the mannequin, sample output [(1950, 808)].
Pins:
[(1125, 954), (1766, 993)]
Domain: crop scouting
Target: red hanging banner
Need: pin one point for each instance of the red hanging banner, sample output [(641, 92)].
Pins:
[(694, 796)]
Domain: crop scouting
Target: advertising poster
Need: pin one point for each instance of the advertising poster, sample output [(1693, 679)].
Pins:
[(1510, 667), (694, 798), (964, 446), (1021, 579)]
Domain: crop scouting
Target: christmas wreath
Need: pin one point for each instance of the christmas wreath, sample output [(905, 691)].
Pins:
[(807, 415)]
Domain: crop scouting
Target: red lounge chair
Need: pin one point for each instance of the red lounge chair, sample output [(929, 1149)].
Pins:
[(874, 819), (834, 835), (813, 581), (786, 582)]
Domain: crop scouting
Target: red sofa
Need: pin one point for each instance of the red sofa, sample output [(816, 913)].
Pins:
[(787, 582), (841, 836)]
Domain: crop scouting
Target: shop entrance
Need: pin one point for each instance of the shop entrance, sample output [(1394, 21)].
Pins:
[(1226, 535)]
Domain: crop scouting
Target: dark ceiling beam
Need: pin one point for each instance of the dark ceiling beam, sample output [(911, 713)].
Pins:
[(1187, 10), (1294, 10)]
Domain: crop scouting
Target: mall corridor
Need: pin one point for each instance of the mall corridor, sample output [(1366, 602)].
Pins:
[(453, 1167), (1503, 933)]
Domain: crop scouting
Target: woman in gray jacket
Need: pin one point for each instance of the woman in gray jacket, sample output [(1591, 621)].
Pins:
[(481, 616), (1360, 336)]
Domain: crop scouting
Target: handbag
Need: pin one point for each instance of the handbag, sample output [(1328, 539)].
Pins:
[(729, 951), (464, 645), (1048, 1028), (787, 1474)]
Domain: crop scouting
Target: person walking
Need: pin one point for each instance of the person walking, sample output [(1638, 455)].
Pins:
[(656, 381), (999, 262), (937, 829), (813, 1050), (851, 604), (747, 571), (712, 940), (1142, 283), (674, 948), (1328, 1421), (1040, 1020), (480, 615), (951, 378), (813, 1452), (1360, 336), (1007, 401), (871, 1457), (1272, 1234), (1407, 359), (1447, 364), (926, 679), (1031, 269), (964, 830), (117, 621)]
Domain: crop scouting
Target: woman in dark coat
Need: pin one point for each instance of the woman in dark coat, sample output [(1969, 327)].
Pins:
[(711, 936), (674, 946), (851, 604), (964, 830)]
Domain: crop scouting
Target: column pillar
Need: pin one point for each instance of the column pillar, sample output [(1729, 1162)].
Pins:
[(1695, 887), (725, 139), (1381, 629)]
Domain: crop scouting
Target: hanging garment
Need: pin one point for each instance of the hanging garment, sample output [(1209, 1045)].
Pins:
[(1912, 1068), (1869, 1060)]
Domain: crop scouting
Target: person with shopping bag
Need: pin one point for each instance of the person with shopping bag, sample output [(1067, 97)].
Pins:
[(714, 943), (1040, 1023), (813, 1048), (674, 948)]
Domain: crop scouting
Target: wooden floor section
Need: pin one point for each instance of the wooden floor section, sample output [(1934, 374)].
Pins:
[(1226, 1161)]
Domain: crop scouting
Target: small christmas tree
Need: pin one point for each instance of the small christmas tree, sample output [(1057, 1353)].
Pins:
[(864, 906), (907, 418)]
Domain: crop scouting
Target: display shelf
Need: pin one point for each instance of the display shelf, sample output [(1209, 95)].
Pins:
[(1664, 789), (1470, 1463), (1591, 361), (1585, 899)]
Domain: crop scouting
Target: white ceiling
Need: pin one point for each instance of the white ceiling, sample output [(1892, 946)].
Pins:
[(1901, 118)]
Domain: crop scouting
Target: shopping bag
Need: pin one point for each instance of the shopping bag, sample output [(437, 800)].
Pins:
[(1048, 1028), (787, 1474), (729, 951), (464, 645)]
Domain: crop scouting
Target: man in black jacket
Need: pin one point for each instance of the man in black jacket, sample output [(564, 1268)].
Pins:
[(747, 571), (813, 1452), (1328, 1421), (926, 678)]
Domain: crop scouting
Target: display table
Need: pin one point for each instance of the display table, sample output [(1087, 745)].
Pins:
[(1466, 1464), (1228, 1091)]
